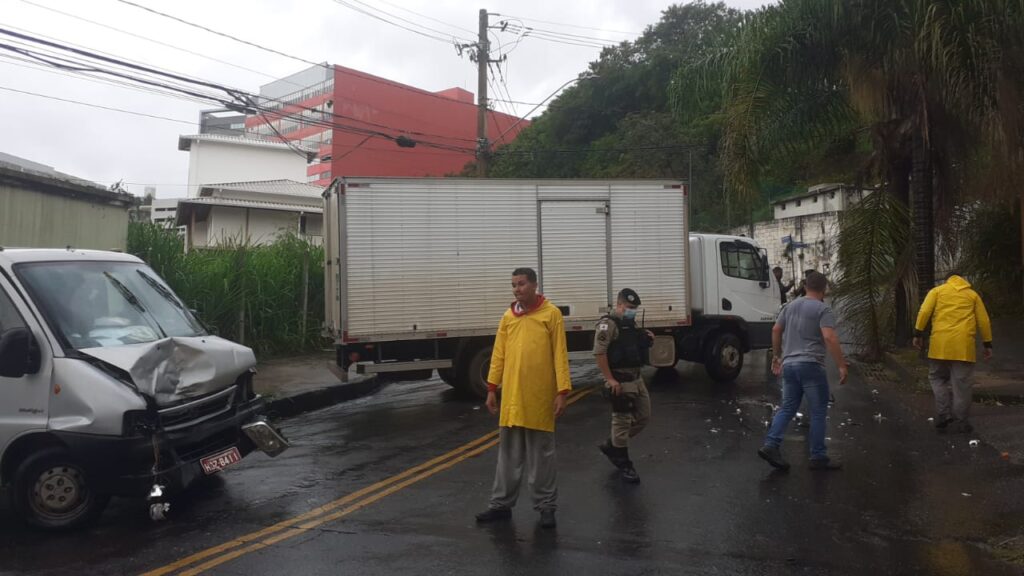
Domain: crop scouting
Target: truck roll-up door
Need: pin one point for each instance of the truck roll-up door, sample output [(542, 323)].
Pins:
[(574, 256)]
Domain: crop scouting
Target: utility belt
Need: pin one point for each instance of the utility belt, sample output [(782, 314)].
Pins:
[(621, 376)]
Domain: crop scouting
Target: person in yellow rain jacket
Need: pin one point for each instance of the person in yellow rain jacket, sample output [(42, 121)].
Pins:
[(530, 363), (956, 313)]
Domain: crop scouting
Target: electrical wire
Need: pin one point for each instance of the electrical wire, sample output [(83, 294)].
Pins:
[(112, 109), (573, 25), (375, 16)]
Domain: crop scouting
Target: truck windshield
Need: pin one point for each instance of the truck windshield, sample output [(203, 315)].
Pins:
[(102, 304)]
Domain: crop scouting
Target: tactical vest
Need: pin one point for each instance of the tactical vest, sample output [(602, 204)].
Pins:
[(629, 349)]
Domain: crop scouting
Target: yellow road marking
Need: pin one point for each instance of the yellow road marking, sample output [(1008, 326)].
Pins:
[(316, 517)]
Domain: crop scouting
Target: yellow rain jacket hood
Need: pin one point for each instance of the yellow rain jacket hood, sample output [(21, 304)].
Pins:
[(530, 363), (956, 313)]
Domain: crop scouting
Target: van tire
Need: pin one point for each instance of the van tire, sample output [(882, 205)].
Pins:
[(723, 358), (41, 483), (471, 372)]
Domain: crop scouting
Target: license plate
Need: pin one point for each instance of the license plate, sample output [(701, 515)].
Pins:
[(220, 460)]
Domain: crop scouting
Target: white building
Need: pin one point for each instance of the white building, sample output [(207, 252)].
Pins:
[(214, 158), (805, 231), (163, 211), (819, 199), (251, 212)]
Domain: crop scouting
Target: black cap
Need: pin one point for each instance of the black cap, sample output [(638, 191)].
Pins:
[(629, 296)]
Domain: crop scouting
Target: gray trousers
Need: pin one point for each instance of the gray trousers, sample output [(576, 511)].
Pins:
[(532, 451), (625, 425), (951, 384)]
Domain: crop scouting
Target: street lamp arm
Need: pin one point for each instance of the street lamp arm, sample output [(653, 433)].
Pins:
[(542, 102)]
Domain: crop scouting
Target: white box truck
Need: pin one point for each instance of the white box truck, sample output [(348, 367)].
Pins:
[(418, 270), (109, 386)]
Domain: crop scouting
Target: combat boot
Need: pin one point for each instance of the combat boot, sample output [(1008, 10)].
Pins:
[(628, 472), (614, 454)]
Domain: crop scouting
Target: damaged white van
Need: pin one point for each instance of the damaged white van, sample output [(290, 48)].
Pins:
[(110, 386)]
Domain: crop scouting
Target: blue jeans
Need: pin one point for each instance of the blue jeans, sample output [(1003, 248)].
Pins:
[(800, 379)]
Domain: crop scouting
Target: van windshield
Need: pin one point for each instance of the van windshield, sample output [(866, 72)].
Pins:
[(103, 304)]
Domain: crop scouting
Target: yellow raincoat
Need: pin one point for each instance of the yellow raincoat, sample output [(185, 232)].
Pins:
[(956, 312), (530, 363)]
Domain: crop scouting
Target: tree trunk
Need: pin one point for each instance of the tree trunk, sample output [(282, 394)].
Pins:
[(923, 216)]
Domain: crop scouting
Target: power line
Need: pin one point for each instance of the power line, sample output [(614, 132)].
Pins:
[(154, 41), (573, 25), (473, 32), (362, 8), (132, 112), (222, 34), (234, 94)]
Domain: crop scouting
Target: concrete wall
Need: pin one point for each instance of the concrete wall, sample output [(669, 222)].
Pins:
[(228, 224), (34, 219), (212, 162), (819, 231)]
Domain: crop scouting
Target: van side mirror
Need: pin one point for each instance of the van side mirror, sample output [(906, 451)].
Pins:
[(19, 353)]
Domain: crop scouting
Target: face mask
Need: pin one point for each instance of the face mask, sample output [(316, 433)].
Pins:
[(629, 314)]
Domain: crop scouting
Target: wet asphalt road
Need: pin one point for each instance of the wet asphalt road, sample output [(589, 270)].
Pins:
[(908, 501)]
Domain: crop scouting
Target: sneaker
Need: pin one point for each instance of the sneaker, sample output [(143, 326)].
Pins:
[(825, 464), (773, 456), (493, 515), (942, 422), (547, 518), (629, 473)]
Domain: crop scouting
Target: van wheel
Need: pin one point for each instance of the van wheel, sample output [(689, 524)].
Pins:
[(724, 357), (51, 491), (471, 374), (447, 375)]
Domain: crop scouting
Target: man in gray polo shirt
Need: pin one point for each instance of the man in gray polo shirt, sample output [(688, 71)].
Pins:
[(803, 332)]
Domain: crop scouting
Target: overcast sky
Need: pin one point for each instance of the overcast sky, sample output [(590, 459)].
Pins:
[(106, 146)]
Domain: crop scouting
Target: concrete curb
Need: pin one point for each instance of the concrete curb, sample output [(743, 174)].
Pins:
[(893, 365), (308, 401)]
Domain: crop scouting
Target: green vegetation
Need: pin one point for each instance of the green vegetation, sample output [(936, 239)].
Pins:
[(250, 294)]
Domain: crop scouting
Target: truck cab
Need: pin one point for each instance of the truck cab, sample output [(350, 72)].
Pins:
[(109, 386), (735, 300)]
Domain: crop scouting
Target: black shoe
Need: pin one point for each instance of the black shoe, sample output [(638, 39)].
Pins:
[(825, 464), (494, 515), (962, 427), (547, 518), (613, 454), (773, 456), (942, 422), (629, 474)]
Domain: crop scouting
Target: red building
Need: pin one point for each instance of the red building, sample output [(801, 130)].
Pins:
[(368, 113)]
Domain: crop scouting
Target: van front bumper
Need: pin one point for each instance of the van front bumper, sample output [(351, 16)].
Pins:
[(124, 466)]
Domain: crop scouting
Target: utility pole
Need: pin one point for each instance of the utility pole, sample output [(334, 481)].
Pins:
[(483, 58)]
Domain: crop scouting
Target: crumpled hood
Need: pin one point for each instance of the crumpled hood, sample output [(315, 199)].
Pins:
[(174, 369), (958, 282)]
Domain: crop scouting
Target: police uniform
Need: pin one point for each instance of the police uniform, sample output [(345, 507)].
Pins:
[(626, 345)]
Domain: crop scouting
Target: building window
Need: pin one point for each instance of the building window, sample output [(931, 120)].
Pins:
[(831, 195), (798, 203), (815, 199), (783, 206)]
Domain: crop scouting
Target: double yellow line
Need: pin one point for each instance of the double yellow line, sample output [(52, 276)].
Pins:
[(232, 549)]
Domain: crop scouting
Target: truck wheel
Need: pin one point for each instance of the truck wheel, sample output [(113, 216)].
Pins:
[(51, 491), (724, 357), (471, 374), (447, 376)]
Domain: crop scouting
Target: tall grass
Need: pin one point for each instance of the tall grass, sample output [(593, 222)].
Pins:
[(250, 294)]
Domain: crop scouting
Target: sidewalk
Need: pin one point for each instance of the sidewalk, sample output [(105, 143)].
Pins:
[(998, 387), (1000, 379), (300, 384)]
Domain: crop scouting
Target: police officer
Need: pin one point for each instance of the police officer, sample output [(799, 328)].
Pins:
[(621, 349)]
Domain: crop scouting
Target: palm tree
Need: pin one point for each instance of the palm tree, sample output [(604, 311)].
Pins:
[(930, 91)]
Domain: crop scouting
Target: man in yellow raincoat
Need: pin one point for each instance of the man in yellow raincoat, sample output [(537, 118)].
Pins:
[(956, 313), (530, 363)]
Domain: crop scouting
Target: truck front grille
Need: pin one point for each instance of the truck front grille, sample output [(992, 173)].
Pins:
[(196, 411)]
